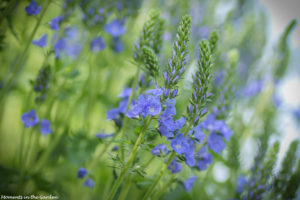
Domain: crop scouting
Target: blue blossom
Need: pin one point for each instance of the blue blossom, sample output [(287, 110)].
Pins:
[(145, 105), (180, 144), (97, 44), (73, 50), (174, 166), (70, 49), (59, 46), (45, 127), (42, 42), (89, 183), (54, 23), (197, 133), (33, 8), (167, 125), (115, 28), (189, 153), (117, 45), (82, 172), (160, 149), (241, 183), (189, 183), (103, 136), (253, 88), (125, 92), (30, 119), (216, 143), (203, 159)]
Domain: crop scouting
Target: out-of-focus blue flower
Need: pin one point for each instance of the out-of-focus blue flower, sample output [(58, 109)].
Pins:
[(97, 44), (241, 183), (54, 23), (197, 133), (117, 45), (33, 8), (103, 136), (73, 50), (30, 119), (45, 127), (216, 143), (297, 113), (253, 88), (125, 92), (59, 46), (203, 159), (82, 172), (115, 28), (189, 153), (145, 105), (42, 42), (160, 149), (174, 166), (189, 183), (89, 183), (180, 144)]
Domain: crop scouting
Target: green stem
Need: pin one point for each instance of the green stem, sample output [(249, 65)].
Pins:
[(19, 62), (130, 160), (164, 188), (150, 191), (125, 120), (125, 188)]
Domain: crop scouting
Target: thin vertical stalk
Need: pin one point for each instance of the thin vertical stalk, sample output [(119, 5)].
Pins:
[(130, 160), (125, 188), (19, 62)]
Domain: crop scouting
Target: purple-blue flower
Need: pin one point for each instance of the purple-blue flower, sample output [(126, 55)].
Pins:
[(33, 8), (180, 144), (54, 23), (216, 143), (103, 136), (30, 119), (145, 105), (42, 42), (82, 172), (45, 127), (189, 153), (117, 45), (203, 159), (174, 166), (197, 133), (97, 44), (241, 183), (189, 183), (89, 183), (115, 28), (160, 149), (59, 46), (125, 92)]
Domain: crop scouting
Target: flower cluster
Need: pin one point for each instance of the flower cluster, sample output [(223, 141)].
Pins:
[(33, 8), (81, 174), (30, 119)]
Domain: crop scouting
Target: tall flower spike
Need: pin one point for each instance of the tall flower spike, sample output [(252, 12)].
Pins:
[(158, 35), (213, 40), (201, 82), (147, 35), (150, 60), (175, 67)]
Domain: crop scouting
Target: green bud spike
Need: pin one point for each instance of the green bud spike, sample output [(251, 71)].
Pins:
[(150, 60), (213, 40)]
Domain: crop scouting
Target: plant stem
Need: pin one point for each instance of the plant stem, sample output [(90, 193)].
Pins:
[(125, 188), (164, 188), (130, 159), (125, 120), (19, 62), (149, 192)]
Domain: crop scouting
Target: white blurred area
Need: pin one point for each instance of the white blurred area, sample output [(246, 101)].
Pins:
[(280, 13)]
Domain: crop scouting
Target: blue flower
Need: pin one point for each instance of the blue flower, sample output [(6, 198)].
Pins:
[(30, 119), (216, 143), (54, 23), (125, 92), (115, 28), (189, 153), (33, 8), (59, 46), (117, 45), (180, 144), (82, 172), (97, 44), (145, 105), (45, 127), (103, 136), (197, 133), (89, 183), (174, 166), (189, 183), (42, 42), (241, 183), (203, 159), (167, 125), (160, 149)]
